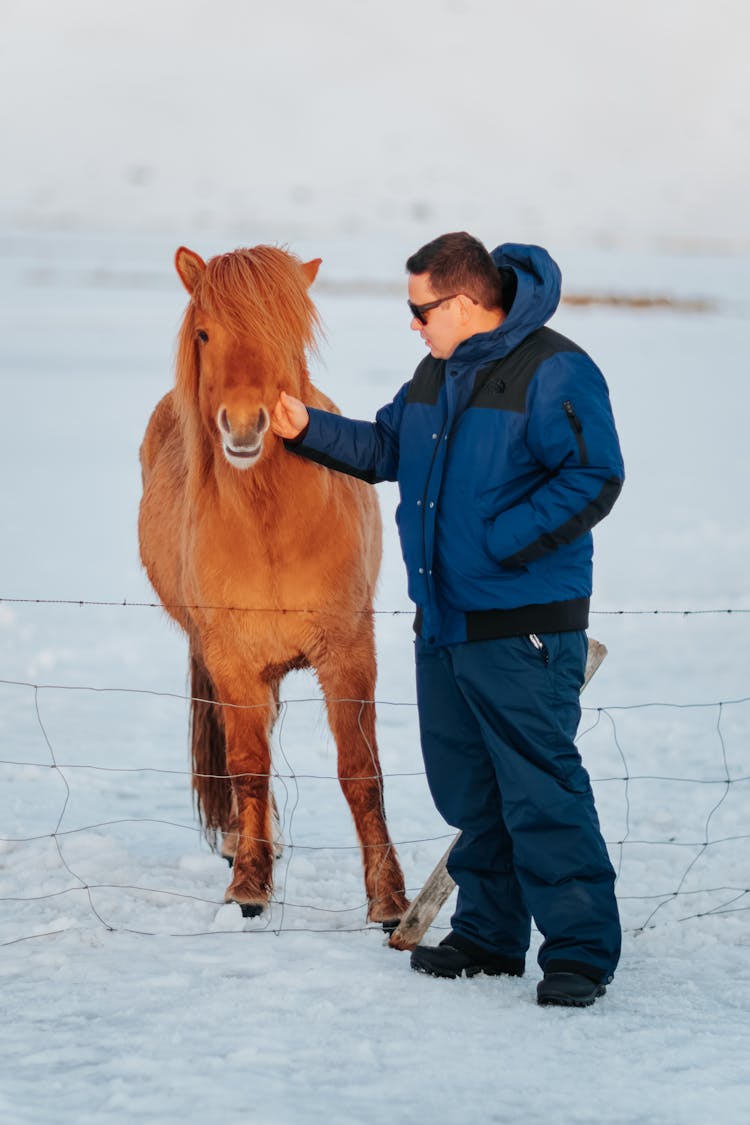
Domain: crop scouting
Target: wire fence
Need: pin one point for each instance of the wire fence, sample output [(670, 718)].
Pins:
[(677, 839), (126, 603)]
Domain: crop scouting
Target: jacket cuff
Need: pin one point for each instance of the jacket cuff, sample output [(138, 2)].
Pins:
[(291, 443)]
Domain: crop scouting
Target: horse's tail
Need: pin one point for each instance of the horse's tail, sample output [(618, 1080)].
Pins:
[(213, 790)]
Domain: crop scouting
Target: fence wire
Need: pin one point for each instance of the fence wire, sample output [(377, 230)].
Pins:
[(126, 603), (602, 725)]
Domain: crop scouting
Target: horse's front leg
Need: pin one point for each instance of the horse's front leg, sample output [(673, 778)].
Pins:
[(348, 683), (228, 847), (247, 728)]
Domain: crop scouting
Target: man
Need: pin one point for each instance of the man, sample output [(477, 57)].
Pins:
[(506, 455)]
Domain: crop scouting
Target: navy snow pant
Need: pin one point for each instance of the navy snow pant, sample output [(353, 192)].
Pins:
[(497, 722)]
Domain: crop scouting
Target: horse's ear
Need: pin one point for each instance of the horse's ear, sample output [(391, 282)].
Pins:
[(189, 266), (310, 270)]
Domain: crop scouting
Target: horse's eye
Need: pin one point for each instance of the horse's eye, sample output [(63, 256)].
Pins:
[(203, 336)]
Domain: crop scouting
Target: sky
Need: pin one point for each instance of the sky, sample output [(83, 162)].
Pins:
[(593, 123)]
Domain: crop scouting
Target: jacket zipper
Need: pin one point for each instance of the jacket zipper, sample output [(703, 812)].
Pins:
[(477, 388), (577, 428), (438, 440)]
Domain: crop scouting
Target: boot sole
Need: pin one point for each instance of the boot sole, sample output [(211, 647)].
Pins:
[(562, 1000), (454, 974), (446, 974)]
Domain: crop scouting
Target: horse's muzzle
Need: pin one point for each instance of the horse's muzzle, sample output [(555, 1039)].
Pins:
[(243, 458), (242, 441)]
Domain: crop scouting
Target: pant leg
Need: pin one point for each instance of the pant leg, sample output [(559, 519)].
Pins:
[(527, 707), (490, 909)]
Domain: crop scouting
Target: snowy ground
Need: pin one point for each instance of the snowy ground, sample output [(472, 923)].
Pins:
[(129, 991)]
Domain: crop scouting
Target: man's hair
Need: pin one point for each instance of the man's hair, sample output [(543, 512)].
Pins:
[(460, 263)]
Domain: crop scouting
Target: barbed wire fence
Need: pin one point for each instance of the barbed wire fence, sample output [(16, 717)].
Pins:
[(636, 855)]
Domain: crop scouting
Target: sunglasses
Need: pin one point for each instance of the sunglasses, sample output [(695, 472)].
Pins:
[(418, 311)]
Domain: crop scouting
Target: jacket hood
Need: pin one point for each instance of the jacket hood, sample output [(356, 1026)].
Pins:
[(537, 297)]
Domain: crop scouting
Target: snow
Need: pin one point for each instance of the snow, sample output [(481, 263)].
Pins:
[(130, 991)]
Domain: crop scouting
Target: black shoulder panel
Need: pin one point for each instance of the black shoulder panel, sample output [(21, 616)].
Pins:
[(504, 385), (427, 381)]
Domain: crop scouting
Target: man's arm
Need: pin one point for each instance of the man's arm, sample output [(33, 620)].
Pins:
[(571, 432), (368, 450)]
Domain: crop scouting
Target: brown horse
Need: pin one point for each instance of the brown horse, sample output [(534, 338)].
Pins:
[(266, 560)]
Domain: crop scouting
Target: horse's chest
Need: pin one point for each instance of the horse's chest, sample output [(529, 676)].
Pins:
[(253, 565)]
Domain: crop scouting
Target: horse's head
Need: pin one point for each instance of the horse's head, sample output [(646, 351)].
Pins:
[(244, 338)]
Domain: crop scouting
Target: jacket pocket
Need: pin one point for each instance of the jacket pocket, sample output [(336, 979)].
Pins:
[(577, 428)]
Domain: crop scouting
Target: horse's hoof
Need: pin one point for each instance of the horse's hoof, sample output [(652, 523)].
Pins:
[(251, 909), (390, 925)]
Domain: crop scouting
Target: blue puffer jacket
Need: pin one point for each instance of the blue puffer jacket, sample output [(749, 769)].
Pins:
[(506, 455)]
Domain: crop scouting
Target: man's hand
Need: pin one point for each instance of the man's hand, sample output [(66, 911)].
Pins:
[(289, 416)]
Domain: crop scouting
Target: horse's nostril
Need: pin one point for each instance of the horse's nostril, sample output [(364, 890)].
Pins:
[(224, 421), (263, 420)]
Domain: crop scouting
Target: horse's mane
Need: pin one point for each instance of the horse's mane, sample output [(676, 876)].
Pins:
[(241, 288)]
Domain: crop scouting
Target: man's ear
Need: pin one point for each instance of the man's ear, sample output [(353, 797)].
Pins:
[(466, 305)]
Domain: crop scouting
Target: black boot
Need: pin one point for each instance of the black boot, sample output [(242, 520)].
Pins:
[(568, 990), (457, 956)]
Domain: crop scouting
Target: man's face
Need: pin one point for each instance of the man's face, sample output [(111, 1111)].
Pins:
[(446, 325)]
